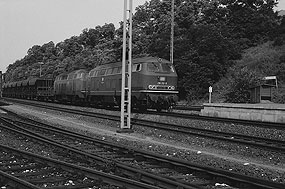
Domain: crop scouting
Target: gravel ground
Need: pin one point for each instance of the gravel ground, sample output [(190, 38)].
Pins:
[(228, 156)]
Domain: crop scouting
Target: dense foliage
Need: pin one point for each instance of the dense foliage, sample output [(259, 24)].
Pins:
[(209, 41)]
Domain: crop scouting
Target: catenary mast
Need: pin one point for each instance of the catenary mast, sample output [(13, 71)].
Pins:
[(126, 71)]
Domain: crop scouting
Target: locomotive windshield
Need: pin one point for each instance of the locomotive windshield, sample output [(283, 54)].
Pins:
[(160, 67)]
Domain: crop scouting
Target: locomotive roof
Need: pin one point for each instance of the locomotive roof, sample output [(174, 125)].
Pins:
[(150, 59), (72, 72), (34, 80), (62, 74), (77, 71), (134, 61)]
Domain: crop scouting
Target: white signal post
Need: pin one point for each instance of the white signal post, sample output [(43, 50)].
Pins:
[(126, 72), (210, 93)]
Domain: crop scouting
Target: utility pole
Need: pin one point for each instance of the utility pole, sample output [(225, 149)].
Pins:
[(172, 32), (126, 73)]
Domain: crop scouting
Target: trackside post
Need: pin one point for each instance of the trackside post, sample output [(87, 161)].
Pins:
[(210, 93), (125, 126)]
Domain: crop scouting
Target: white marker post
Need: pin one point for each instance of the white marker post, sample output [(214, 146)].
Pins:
[(210, 93)]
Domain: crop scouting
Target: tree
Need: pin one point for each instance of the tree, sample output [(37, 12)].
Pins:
[(254, 19), (209, 38)]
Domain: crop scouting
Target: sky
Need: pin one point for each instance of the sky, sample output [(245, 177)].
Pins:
[(24, 23)]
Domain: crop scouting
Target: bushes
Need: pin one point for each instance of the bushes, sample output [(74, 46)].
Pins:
[(240, 81), (256, 63), (279, 95)]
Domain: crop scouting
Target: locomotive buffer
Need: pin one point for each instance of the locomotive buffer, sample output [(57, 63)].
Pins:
[(126, 85)]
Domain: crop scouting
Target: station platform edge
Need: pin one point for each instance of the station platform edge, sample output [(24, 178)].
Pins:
[(267, 112)]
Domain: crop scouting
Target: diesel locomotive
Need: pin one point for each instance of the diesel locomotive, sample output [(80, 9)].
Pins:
[(154, 85)]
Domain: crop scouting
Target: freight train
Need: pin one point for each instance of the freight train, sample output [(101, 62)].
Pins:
[(154, 85)]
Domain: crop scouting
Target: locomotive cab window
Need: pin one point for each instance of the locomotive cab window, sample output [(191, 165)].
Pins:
[(153, 67), (109, 71), (136, 68), (95, 73), (167, 67), (119, 70), (79, 75), (160, 67), (115, 70), (71, 76), (82, 75), (91, 73), (102, 72), (63, 77)]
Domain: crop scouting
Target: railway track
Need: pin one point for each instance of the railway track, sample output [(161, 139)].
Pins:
[(21, 169), (111, 158), (161, 165), (270, 125), (259, 142)]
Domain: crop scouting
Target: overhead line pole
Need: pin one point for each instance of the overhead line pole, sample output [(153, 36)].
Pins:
[(126, 86), (172, 32), (123, 67), (130, 63)]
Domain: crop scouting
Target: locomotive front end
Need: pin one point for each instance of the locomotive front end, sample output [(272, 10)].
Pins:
[(158, 80), (163, 94)]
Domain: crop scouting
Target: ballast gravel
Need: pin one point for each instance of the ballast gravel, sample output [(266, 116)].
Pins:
[(241, 159)]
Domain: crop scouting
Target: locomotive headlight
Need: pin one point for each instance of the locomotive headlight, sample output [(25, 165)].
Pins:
[(172, 87), (162, 79), (151, 86)]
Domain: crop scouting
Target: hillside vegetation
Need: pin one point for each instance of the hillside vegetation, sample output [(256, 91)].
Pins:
[(230, 44), (256, 63)]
